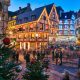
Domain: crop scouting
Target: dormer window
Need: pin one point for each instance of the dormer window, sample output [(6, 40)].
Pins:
[(73, 17), (33, 17), (65, 16), (25, 19)]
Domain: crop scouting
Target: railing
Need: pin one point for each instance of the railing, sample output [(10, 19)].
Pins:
[(32, 39)]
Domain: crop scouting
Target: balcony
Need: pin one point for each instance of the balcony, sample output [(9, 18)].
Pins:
[(19, 40), (39, 39), (32, 39)]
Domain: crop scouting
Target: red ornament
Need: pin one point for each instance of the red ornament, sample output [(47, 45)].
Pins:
[(6, 41)]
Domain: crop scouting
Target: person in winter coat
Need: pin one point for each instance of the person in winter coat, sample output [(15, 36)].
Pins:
[(66, 76)]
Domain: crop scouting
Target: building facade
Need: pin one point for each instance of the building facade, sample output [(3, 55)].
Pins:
[(77, 26), (66, 29), (35, 29), (3, 17)]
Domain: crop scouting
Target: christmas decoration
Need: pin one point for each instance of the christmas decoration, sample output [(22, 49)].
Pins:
[(6, 41), (6, 64), (35, 72)]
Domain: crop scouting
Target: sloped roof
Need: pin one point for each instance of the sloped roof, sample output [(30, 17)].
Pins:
[(37, 12), (68, 15), (10, 13)]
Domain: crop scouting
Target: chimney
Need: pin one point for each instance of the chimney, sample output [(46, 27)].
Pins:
[(29, 7), (19, 8)]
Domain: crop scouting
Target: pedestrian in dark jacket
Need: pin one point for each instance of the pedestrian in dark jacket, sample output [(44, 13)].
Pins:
[(79, 62), (66, 76), (60, 56), (57, 55), (17, 56), (27, 58), (53, 55)]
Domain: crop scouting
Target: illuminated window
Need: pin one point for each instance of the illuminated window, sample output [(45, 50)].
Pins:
[(65, 32), (72, 32), (33, 17), (66, 27), (60, 32), (60, 27)]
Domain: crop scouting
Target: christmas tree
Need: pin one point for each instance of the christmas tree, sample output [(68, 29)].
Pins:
[(35, 71), (7, 66)]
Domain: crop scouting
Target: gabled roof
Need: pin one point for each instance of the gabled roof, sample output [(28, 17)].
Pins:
[(21, 14), (37, 12)]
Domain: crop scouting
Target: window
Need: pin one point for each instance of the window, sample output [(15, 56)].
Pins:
[(20, 20), (25, 19), (54, 16), (0, 18), (60, 27), (72, 32), (33, 17), (73, 17), (65, 16), (60, 22), (66, 21), (72, 27), (66, 32), (60, 32), (65, 27), (44, 17)]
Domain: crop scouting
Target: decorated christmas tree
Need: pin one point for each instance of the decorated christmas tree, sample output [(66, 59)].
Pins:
[(7, 71)]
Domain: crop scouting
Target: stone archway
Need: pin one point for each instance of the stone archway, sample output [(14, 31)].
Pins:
[(0, 6)]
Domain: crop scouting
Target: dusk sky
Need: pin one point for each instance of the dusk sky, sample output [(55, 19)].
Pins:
[(67, 5)]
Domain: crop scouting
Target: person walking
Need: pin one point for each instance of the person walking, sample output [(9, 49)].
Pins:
[(17, 56), (79, 63), (57, 55), (60, 56), (66, 76), (27, 58), (53, 55)]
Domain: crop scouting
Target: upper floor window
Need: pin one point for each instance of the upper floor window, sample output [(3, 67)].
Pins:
[(66, 21), (66, 27), (65, 16), (60, 32), (60, 27), (72, 27), (33, 17), (60, 22), (65, 32), (25, 19), (53, 16), (72, 32), (73, 17), (71, 22), (20, 20), (44, 17)]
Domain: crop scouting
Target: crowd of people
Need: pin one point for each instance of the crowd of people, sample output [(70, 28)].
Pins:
[(57, 56)]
